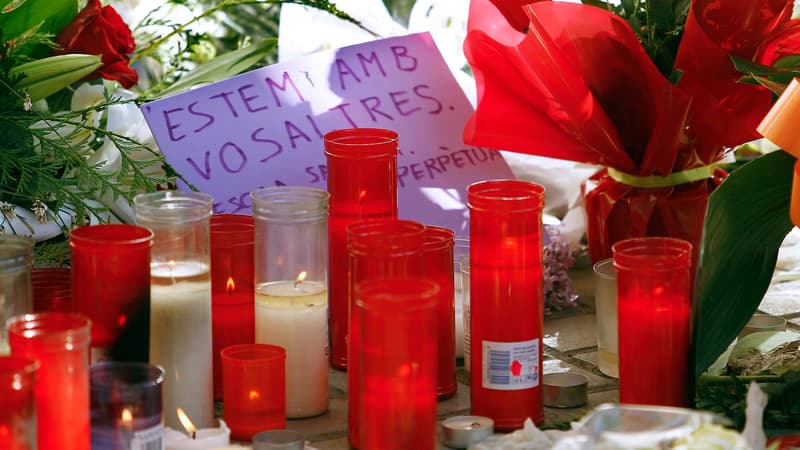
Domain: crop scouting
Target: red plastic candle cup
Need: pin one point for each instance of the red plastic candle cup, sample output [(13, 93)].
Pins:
[(52, 289), (396, 318), (126, 408), (362, 182), (18, 411), (506, 301), (60, 342), (378, 249), (254, 387), (111, 286), (232, 288), (654, 309), (438, 244)]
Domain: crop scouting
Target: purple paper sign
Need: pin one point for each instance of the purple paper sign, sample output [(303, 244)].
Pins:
[(265, 127)]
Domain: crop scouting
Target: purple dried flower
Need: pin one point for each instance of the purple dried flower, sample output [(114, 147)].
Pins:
[(557, 259)]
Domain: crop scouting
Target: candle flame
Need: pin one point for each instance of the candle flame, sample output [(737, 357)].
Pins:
[(171, 264), (230, 286), (127, 416), (254, 395), (186, 422), (300, 278)]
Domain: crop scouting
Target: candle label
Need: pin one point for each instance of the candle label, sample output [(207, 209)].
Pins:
[(511, 366), (148, 439)]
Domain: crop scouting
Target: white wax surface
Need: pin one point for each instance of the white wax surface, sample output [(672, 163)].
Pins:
[(180, 339), (295, 317), (206, 438)]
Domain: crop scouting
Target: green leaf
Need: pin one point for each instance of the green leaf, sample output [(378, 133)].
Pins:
[(222, 67), (51, 16), (746, 221)]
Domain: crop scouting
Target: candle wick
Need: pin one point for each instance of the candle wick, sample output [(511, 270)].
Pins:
[(194, 435), (296, 283)]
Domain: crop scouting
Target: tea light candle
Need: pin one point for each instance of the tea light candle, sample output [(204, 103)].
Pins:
[(204, 438), (180, 338), (463, 431), (294, 315)]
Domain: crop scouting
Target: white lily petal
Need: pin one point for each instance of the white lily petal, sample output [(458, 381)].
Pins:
[(109, 156), (331, 32), (86, 95)]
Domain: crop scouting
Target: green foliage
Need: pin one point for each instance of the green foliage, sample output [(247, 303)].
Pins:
[(42, 16), (746, 221), (657, 23), (245, 22), (230, 63)]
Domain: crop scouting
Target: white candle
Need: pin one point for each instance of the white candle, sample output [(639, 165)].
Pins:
[(180, 338), (205, 438), (294, 315)]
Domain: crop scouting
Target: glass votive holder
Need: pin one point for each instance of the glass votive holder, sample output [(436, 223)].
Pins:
[(654, 312), (232, 284), (460, 250), (52, 289), (18, 410), (465, 310), (60, 342), (126, 410), (16, 258), (437, 251), (279, 440), (362, 181), (111, 286), (254, 388), (605, 305), (396, 321)]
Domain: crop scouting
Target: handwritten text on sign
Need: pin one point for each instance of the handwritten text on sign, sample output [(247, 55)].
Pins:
[(265, 127)]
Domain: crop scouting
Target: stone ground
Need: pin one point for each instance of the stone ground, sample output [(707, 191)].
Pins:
[(569, 346)]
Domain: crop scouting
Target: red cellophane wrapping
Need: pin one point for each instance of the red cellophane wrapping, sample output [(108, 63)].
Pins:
[(578, 85)]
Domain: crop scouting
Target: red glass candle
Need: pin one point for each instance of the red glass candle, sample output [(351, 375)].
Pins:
[(438, 244), (60, 342), (17, 403), (232, 278), (378, 249), (254, 385), (506, 301), (362, 181), (52, 289), (396, 360), (111, 286), (654, 309)]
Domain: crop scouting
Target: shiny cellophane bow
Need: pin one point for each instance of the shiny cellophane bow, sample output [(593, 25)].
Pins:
[(577, 85)]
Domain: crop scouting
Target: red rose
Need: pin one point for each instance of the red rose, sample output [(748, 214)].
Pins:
[(99, 30)]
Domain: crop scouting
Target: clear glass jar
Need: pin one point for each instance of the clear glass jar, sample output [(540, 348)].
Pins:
[(180, 300), (16, 296), (291, 272)]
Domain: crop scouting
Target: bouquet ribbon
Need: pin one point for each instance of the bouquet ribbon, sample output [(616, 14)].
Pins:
[(657, 181)]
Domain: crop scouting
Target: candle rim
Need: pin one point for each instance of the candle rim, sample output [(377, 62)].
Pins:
[(120, 234)]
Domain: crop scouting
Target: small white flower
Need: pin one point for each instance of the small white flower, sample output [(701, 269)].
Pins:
[(7, 209), (40, 211)]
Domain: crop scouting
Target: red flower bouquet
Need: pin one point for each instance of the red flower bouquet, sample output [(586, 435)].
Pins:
[(578, 85), (99, 30)]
